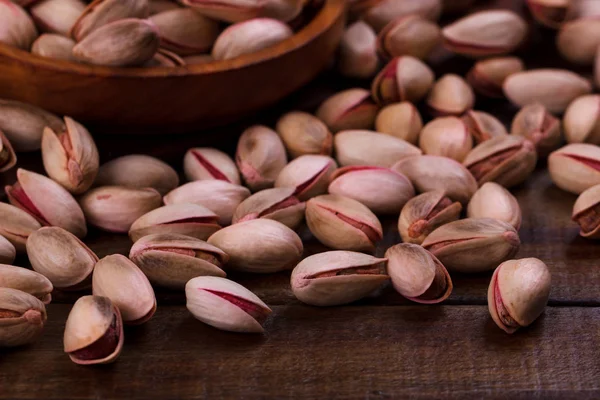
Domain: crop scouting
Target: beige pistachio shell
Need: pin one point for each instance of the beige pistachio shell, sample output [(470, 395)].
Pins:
[(404, 78), (578, 40), (483, 126), (94, 331), (473, 244), (16, 225), (385, 11), (401, 120), (586, 211), (101, 12), (487, 76), (225, 305), (550, 13), (16, 26), (518, 293), (27, 281), (337, 277), (279, 204), (581, 121), (8, 158), (22, 319), (349, 109), (57, 16), (447, 137), (358, 51), (205, 163), (411, 35), (7, 251), (535, 123), (55, 46), (309, 174), (450, 95), (303, 134), (259, 246), (575, 167), (494, 201)]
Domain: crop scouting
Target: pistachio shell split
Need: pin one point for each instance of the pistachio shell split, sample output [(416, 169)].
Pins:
[(16, 225), (358, 51), (494, 201), (483, 126), (450, 95), (309, 174), (279, 204), (447, 137), (401, 120), (383, 12), (57, 16), (202, 163), (411, 35), (55, 46), (586, 212), (578, 40), (404, 78), (337, 277), (582, 120), (8, 158), (101, 12), (575, 167), (349, 109), (16, 26), (27, 281), (550, 13), (22, 317), (487, 76), (540, 127), (303, 134)]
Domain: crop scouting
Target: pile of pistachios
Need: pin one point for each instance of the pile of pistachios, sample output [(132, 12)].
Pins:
[(329, 176)]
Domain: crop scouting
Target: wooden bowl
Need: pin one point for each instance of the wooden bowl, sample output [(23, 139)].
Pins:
[(172, 100)]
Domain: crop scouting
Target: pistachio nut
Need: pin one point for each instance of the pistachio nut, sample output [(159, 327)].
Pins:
[(27, 281), (171, 260), (16, 225), (279, 204), (553, 88), (228, 10), (116, 208), (385, 11), (382, 190), (309, 174), (124, 43), (57, 16), (47, 202), (401, 120), (507, 160), (447, 137), (220, 197), (203, 163), (260, 157), (575, 167), (494, 201), (349, 109), (338, 277), (7, 251), (550, 13), (357, 56), (417, 274), (250, 37), (303, 133), (52, 45), (411, 35), (343, 223), (424, 213), (94, 331), (225, 305), (473, 244), (187, 219), (586, 212), (8, 158), (487, 76), (485, 33), (404, 78), (518, 293), (102, 12), (429, 173), (581, 121), (158, 6), (22, 317), (483, 126), (259, 245), (198, 59), (450, 95), (16, 26), (577, 40), (540, 127), (358, 147), (165, 58)]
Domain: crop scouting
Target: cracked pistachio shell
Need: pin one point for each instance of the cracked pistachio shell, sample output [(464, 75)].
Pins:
[(94, 331), (57, 16), (47, 202), (357, 147), (401, 120), (7, 251), (259, 246), (429, 173), (424, 213), (343, 223), (309, 174), (220, 197), (417, 274), (225, 305), (16, 26), (61, 257), (357, 57), (382, 190), (385, 11), (578, 40), (349, 109), (279, 204), (485, 33), (447, 137), (119, 279), (518, 293), (260, 156), (8, 158), (535, 123), (473, 244), (581, 121), (586, 212), (303, 134), (102, 12), (27, 281), (404, 78), (16, 225), (51, 45), (337, 277), (553, 88), (186, 218), (70, 157), (483, 126), (450, 95), (492, 200), (575, 167), (487, 76), (411, 35), (22, 317), (205, 163), (550, 13), (507, 160), (171, 260)]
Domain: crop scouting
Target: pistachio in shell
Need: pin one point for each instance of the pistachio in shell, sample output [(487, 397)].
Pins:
[(447, 137), (16, 26), (16, 226), (575, 167), (358, 51), (535, 123), (381, 13), (101, 12), (492, 200), (581, 121), (404, 78), (349, 109), (483, 126), (309, 175), (586, 212), (487, 76), (22, 317), (303, 134), (401, 120), (55, 46), (205, 163), (411, 35), (27, 281), (279, 204), (450, 95)]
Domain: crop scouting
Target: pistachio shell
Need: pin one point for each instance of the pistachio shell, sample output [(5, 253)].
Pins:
[(550, 13), (584, 9), (494, 201), (309, 174), (16, 225), (483, 126), (385, 11), (578, 40), (16, 26), (447, 137), (450, 95), (487, 76), (205, 163), (27, 281), (303, 134), (411, 35), (165, 58), (349, 109), (540, 127), (575, 167), (586, 211), (57, 16), (8, 158), (582, 120), (401, 120), (51, 45), (358, 51), (279, 204), (404, 78), (7, 251), (23, 317), (102, 12)]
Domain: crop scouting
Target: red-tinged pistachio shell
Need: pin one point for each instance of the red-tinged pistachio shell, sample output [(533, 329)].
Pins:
[(417, 274), (473, 244), (309, 174), (8, 158), (228, 10), (226, 305), (575, 167), (16, 225), (16, 26), (550, 13), (450, 95), (507, 160), (26, 280), (279, 204), (385, 11), (586, 212), (7, 251), (483, 126), (358, 51), (578, 40), (411, 35), (47, 202), (350, 109), (540, 127), (429, 173), (485, 33), (158, 6), (401, 120), (343, 223), (382, 190), (171, 260), (404, 78), (187, 219), (494, 201), (165, 58), (337, 277), (425, 213), (487, 76), (51, 45), (553, 88), (303, 133), (582, 120), (102, 12), (518, 293), (198, 59), (22, 317), (94, 331), (447, 137), (205, 163), (57, 16)]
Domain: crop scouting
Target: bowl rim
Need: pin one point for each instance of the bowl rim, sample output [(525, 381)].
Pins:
[(325, 18)]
